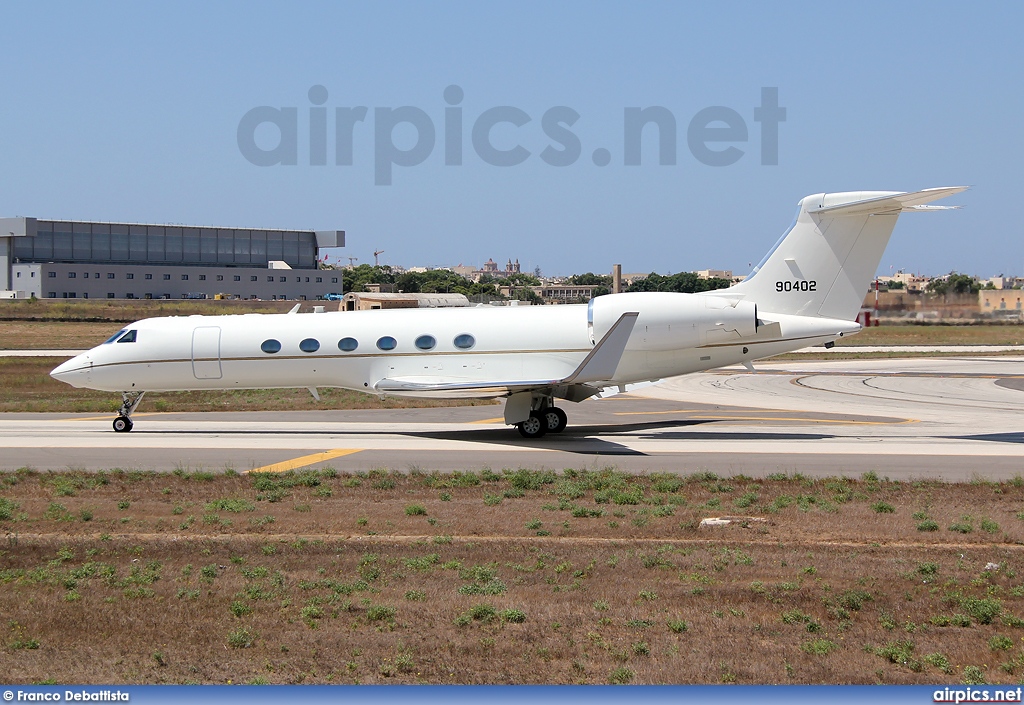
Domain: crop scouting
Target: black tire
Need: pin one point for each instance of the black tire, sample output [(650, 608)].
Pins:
[(555, 419), (533, 427), (123, 424)]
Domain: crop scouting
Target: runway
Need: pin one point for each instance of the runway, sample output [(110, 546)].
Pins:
[(955, 418)]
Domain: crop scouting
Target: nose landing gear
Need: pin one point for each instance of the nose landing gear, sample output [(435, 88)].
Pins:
[(129, 401)]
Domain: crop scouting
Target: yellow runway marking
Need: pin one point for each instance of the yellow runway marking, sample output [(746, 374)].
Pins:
[(804, 419), (109, 417), (286, 465), (494, 420)]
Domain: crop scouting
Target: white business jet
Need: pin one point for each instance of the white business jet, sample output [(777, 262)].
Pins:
[(806, 291)]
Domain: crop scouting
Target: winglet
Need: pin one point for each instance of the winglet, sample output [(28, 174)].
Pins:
[(601, 362)]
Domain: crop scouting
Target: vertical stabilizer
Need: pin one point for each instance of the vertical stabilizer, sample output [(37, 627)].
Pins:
[(823, 265)]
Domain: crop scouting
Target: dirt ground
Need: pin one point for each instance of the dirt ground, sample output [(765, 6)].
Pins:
[(507, 577)]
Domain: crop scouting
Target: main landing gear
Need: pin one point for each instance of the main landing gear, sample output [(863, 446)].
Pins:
[(129, 400), (550, 419)]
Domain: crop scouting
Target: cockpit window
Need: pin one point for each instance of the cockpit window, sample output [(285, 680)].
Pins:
[(128, 337), (114, 337)]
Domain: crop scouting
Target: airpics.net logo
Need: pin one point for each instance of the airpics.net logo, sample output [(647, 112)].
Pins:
[(716, 136)]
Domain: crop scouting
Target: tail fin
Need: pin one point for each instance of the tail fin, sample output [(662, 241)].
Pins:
[(823, 265)]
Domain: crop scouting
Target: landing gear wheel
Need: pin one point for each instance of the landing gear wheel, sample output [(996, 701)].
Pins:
[(555, 419), (533, 427), (129, 402)]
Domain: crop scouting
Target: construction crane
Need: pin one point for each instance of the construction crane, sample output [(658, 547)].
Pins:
[(375, 253), (352, 261)]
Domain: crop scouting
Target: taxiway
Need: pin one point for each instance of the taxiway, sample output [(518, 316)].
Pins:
[(955, 418)]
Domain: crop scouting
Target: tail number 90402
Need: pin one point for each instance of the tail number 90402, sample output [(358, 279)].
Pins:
[(797, 285)]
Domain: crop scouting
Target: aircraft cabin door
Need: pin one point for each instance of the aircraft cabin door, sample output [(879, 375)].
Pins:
[(206, 353)]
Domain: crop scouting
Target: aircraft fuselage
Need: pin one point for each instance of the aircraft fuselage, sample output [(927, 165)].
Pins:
[(674, 334)]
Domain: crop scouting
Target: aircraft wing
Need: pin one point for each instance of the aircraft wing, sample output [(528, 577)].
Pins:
[(595, 372)]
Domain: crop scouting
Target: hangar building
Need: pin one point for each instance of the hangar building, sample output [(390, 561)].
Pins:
[(59, 259)]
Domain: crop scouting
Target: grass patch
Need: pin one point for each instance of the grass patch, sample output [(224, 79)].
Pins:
[(234, 505), (819, 647)]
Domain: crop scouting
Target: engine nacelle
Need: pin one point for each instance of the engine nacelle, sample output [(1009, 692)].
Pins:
[(670, 321)]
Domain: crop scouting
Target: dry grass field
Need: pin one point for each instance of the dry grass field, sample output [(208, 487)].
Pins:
[(980, 334), (507, 577), (76, 325), (127, 310), (54, 335)]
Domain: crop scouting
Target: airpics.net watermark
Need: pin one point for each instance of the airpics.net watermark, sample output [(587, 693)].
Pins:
[(711, 134)]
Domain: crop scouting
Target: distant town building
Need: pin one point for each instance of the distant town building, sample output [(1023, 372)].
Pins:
[(560, 293), (911, 282), (368, 301), (490, 268), (714, 274), (1001, 301), (1002, 282), (629, 277)]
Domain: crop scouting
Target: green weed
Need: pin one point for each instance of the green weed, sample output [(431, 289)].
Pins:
[(819, 647), (621, 676), (242, 638), (233, 505)]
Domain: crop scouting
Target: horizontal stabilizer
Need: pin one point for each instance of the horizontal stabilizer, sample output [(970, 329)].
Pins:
[(889, 204), (822, 265)]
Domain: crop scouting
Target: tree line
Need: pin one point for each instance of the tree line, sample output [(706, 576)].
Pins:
[(443, 281)]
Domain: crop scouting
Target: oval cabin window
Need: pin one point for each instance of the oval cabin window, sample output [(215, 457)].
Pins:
[(270, 346), (348, 344), (465, 341), (387, 343), (309, 345), (426, 342)]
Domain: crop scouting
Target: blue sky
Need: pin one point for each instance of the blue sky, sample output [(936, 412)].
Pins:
[(131, 112)]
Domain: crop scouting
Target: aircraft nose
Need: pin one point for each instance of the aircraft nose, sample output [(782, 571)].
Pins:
[(72, 370)]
